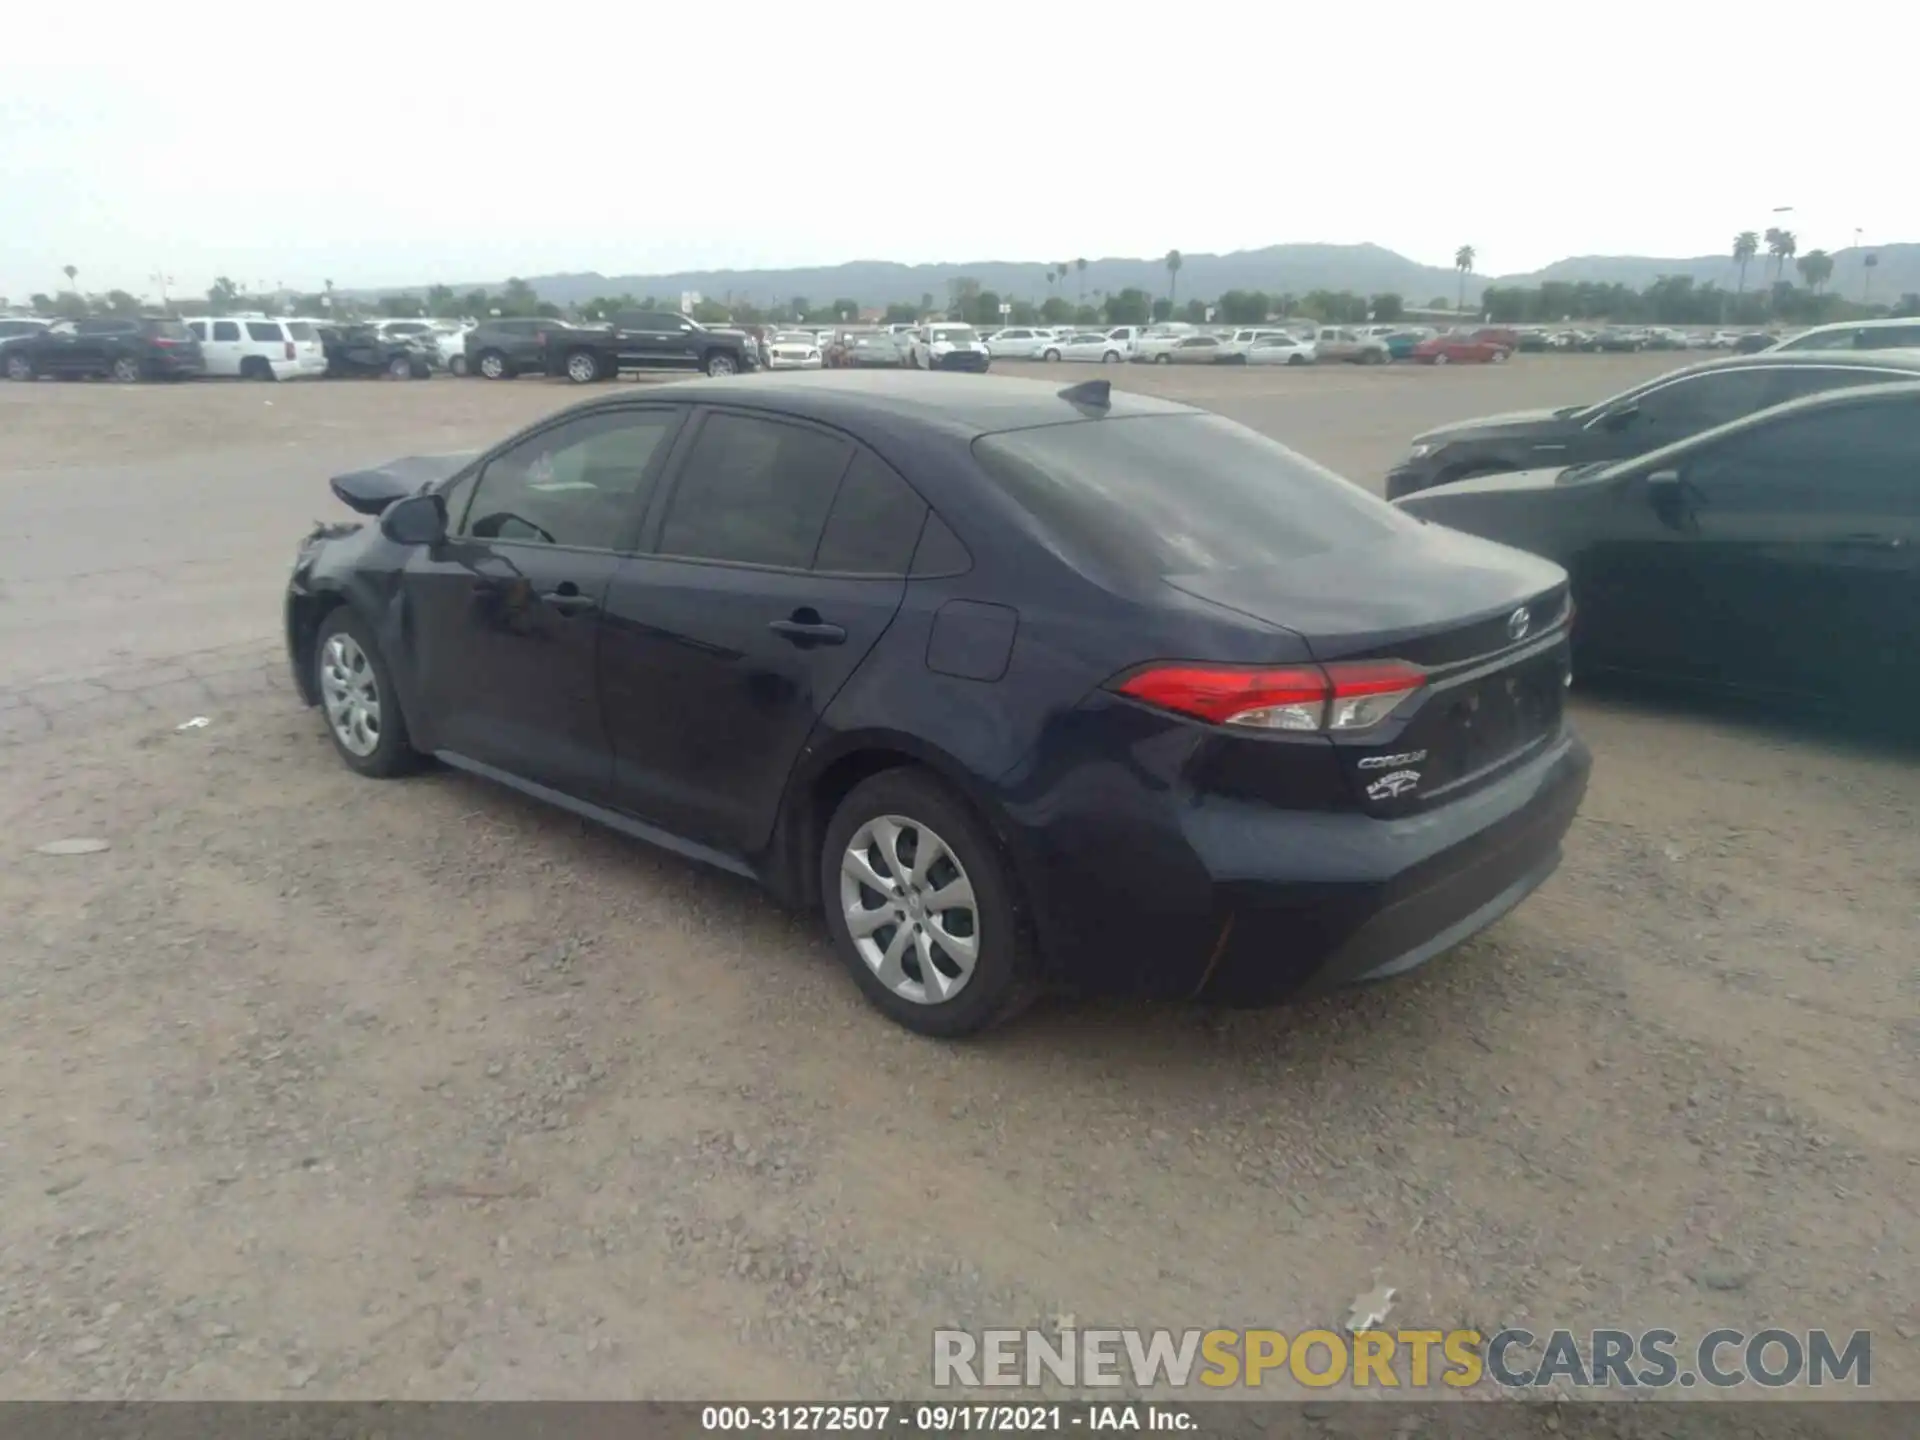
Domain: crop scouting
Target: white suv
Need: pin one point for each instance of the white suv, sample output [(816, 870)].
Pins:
[(254, 347)]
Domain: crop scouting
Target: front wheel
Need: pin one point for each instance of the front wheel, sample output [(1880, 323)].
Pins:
[(1051, 355), (583, 367), (922, 907), (357, 694), (125, 371), (720, 364), (494, 366), (1499, 357), (1112, 357), (1439, 359), (400, 367), (1163, 359), (19, 368), (1296, 359), (457, 366)]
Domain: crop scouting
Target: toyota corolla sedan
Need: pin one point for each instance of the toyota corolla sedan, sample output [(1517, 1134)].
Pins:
[(1021, 687)]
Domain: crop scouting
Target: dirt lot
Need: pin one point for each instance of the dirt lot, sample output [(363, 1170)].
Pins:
[(318, 1086)]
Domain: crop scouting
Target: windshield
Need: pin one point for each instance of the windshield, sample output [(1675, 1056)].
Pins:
[(792, 337), (1180, 495), (955, 335)]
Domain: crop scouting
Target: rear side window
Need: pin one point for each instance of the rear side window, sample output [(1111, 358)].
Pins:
[(755, 492), (198, 329), (168, 330), (874, 524), (104, 327), (263, 330), (1701, 402), (300, 330), (1796, 381), (1181, 495), (1888, 337), (226, 330)]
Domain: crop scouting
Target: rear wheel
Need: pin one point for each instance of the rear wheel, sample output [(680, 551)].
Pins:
[(125, 371), (356, 693), (583, 367), (1296, 359), (720, 363), (1440, 359), (255, 367), (19, 368), (1112, 357), (1051, 355), (1163, 359), (494, 366), (1499, 357), (923, 908), (400, 367), (457, 365)]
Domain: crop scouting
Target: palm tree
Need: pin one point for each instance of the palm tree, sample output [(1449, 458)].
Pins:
[(1746, 245), (1051, 277), (1781, 245), (1081, 266), (1816, 268), (1463, 262), (71, 272), (1173, 275)]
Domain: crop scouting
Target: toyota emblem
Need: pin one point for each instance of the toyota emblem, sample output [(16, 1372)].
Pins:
[(1518, 623)]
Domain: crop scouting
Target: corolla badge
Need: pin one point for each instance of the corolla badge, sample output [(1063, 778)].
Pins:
[(1392, 762), (1518, 623), (1400, 782)]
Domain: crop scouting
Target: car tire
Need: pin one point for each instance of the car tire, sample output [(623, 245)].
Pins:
[(719, 365), (358, 700), (1112, 357), (495, 366), (255, 367), (1163, 359), (1050, 355), (1499, 357), (125, 371), (914, 809), (1296, 359), (1440, 359), (582, 367), (457, 366), (19, 369), (400, 367)]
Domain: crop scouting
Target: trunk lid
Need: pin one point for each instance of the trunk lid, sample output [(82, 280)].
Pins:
[(1487, 624)]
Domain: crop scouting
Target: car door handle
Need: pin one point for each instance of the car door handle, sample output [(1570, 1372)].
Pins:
[(567, 599), (807, 628)]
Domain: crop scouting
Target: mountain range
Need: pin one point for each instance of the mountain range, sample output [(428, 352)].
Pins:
[(1276, 269)]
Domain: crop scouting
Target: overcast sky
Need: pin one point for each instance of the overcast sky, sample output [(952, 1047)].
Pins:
[(403, 144)]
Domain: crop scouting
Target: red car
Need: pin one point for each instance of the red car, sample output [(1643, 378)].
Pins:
[(1460, 349)]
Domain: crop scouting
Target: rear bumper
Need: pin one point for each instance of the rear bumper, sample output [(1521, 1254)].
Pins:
[(1153, 890)]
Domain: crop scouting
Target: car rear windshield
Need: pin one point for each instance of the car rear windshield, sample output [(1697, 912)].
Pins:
[(169, 330), (1181, 495)]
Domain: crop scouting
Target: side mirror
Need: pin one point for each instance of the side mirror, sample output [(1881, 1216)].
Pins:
[(416, 520), (1663, 481)]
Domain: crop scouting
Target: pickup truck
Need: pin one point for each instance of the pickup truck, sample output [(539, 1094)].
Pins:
[(645, 340)]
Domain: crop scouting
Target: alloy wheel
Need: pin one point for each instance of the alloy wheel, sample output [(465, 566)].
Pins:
[(719, 365), (126, 370), (351, 693), (19, 368), (910, 909), (493, 367), (581, 369)]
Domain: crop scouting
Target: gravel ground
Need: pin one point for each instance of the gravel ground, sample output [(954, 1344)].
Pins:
[(321, 1087)]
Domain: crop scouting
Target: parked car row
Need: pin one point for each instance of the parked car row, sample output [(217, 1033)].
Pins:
[(129, 349)]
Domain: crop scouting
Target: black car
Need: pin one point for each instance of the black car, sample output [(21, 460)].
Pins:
[(646, 340), (1779, 554), (1657, 412), (1754, 342), (505, 349), (363, 351), (1022, 686), (122, 348)]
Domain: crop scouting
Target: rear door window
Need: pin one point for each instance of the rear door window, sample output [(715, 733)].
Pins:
[(300, 330), (266, 330), (1701, 402), (226, 330), (754, 491), (1181, 495)]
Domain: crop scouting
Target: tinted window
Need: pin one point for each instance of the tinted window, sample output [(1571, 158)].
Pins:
[(584, 483), (874, 524), (1815, 379), (300, 330), (1687, 407), (170, 329), (1173, 495), (754, 491), (1888, 337), (19, 327), (226, 330), (1873, 444), (263, 330), (1826, 340), (103, 327), (198, 329)]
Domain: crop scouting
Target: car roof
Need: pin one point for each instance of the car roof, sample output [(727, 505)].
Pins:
[(980, 404), (1767, 359), (1880, 322), (1850, 395)]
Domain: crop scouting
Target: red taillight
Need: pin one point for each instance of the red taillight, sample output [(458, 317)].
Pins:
[(289, 349), (163, 340), (539, 337), (1307, 698)]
